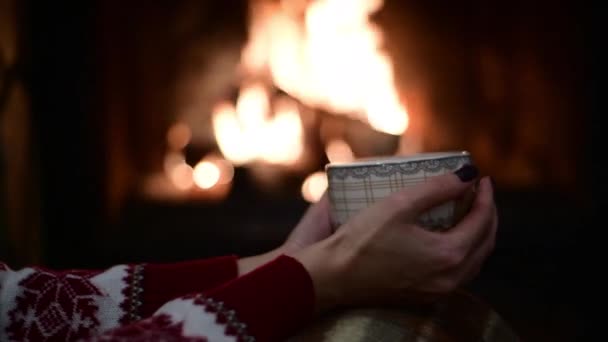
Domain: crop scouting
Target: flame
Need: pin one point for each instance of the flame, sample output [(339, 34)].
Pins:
[(206, 175), (252, 106), (247, 133), (314, 186), (229, 135), (212, 171), (282, 143), (327, 54)]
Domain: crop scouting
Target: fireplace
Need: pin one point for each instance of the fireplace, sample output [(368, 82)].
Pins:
[(220, 117), (275, 89), (311, 84), (213, 121)]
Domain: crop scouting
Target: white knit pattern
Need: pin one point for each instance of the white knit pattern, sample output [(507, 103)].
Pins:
[(111, 283), (197, 321), (9, 290)]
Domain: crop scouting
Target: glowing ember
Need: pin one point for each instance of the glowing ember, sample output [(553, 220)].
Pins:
[(212, 171), (225, 167), (181, 176), (206, 175), (314, 186)]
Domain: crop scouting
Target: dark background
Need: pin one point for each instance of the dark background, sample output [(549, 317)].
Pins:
[(91, 68)]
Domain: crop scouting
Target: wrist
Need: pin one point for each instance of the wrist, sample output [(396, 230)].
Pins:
[(324, 267), (248, 264), (273, 301)]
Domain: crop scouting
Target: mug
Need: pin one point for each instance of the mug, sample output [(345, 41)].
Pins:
[(356, 185)]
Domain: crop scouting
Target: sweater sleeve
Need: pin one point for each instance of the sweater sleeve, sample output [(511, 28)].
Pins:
[(38, 304), (268, 304)]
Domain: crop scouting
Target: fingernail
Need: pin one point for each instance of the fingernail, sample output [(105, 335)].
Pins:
[(467, 173)]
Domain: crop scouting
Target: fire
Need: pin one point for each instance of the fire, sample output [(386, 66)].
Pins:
[(282, 143), (247, 132), (179, 173), (212, 170), (252, 106), (229, 135), (206, 175), (324, 54), (327, 54)]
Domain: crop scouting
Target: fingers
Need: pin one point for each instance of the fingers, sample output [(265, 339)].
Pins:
[(314, 225), (319, 210), (472, 240), (321, 206), (478, 255), (471, 229), (318, 213), (436, 190)]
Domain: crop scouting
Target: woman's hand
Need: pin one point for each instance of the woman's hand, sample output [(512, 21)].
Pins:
[(382, 256), (314, 226)]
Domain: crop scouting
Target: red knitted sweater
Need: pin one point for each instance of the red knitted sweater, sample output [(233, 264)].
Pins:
[(190, 301)]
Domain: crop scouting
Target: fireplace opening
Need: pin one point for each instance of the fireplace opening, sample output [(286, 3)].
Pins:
[(312, 83), (240, 104)]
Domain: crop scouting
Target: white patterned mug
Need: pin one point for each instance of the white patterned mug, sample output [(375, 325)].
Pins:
[(355, 185)]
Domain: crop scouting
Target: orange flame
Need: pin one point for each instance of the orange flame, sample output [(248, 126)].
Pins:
[(247, 133), (325, 53), (179, 173), (206, 174), (329, 59)]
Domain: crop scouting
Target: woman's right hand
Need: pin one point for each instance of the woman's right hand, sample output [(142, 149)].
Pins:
[(382, 256)]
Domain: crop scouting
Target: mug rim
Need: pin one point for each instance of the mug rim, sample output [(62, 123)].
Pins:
[(399, 159)]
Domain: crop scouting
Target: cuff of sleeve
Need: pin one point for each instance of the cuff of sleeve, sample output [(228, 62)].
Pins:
[(164, 282), (273, 301)]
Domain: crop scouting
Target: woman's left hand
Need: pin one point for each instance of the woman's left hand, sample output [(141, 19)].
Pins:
[(314, 226)]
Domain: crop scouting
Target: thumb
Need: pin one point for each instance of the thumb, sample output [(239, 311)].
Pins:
[(415, 200), (315, 225), (317, 212)]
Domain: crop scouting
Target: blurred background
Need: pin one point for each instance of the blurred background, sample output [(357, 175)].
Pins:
[(160, 131)]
